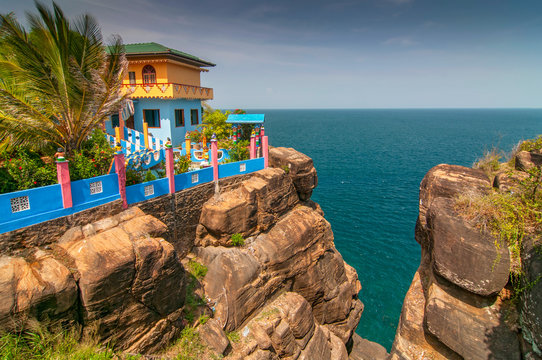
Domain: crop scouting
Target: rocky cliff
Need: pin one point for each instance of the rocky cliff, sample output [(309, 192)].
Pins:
[(260, 263), (461, 303)]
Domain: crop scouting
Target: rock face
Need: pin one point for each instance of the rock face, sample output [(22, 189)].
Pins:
[(286, 290), (531, 301), (300, 169), (457, 306), (129, 284), (286, 328)]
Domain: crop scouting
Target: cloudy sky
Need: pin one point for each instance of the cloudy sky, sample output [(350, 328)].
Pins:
[(342, 54)]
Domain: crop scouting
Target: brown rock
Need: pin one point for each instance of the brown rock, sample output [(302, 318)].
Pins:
[(363, 349), (447, 181), (212, 334), (317, 348), (474, 327), (338, 350), (106, 266), (39, 289), (231, 274), (411, 342), (300, 169), (463, 254), (509, 181), (526, 160), (158, 282)]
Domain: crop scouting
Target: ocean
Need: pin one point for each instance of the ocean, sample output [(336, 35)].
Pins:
[(370, 164)]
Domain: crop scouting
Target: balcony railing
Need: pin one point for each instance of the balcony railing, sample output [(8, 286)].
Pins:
[(168, 90)]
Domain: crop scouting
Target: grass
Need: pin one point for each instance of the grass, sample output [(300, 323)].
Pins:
[(233, 336), (198, 270), (58, 345), (189, 345), (237, 240), (509, 216), (489, 163)]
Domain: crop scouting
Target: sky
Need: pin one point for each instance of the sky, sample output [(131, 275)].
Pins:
[(341, 54)]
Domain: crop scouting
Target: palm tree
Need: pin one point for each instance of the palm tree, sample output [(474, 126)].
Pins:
[(57, 83)]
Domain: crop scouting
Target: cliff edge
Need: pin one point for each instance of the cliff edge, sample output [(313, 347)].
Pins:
[(259, 277)]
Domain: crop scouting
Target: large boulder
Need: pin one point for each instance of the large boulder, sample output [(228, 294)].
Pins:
[(526, 160), (466, 256), (38, 288), (447, 181), (411, 341), (299, 167), (249, 209), (131, 285), (474, 327), (286, 328), (363, 349)]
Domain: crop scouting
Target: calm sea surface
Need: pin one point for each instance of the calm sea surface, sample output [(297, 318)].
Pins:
[(370, 164)]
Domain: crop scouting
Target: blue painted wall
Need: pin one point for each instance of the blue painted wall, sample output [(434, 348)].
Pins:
[(81, 189), (167, 117), (235, 168)]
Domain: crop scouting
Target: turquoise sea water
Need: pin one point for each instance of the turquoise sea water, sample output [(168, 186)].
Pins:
[(370, 164)]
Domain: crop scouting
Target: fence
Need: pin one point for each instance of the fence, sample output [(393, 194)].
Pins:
[(33, 206)]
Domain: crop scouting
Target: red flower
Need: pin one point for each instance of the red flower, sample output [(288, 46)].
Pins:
[(20, 168), (94, 165), (92, 160), (35, 182)]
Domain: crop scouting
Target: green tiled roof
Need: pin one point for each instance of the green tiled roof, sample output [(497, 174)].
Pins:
[(155, 48)]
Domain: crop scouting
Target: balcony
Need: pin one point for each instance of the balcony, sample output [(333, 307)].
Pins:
[(168, 91)]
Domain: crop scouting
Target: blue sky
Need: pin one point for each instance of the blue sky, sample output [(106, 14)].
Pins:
[(342, 54)]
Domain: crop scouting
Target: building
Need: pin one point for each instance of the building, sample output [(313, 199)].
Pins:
[(165, 87)]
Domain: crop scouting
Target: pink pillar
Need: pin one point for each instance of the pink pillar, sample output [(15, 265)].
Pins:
[(252, 149), (121, 125), (120, 169), (262, 131), (265, 150), (214, 157), (170, 169), (63, 176)]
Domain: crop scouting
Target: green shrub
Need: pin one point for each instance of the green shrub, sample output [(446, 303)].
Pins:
[(25, 170), (44, 345), (233, 336), (149, 176), (239, 151), (182, 164), (94, 159), (203, 319), (489, 162), (531, 145), (237, 240), (197, 269)]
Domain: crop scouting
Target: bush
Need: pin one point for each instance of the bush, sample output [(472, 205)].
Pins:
[(239, 151), (182, 164), (94, 159), (531, 145), (24, 169), (197, 269), (489, 162), (237, 239)]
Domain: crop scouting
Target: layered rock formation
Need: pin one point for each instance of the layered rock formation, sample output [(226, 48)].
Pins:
[(286, 290), (458, 305)]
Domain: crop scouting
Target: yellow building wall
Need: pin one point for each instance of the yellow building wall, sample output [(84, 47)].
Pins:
[(183, 75), (167, 71)]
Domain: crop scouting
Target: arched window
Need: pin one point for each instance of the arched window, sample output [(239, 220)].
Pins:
[(149, 75)]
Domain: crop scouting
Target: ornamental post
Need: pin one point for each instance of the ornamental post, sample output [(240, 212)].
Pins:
[(170, 172), (252, 149), (214, 157), (63, 176), (265, 150), (120, 169)]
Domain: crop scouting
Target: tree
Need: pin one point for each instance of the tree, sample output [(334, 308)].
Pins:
[(57, 83)]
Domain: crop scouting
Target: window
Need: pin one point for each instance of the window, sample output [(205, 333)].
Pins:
[(131, 76), (194, 116), (20, 203), (96, 187), (115, 120), (243, 167), (195, 178), (149, 75), (152, 117), (179, 117), (148, 190)]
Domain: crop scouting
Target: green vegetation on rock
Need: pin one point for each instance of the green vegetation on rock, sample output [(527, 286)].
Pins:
[(237, 239)]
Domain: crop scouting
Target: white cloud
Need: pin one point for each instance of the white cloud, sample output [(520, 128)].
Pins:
[(403, 41)]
